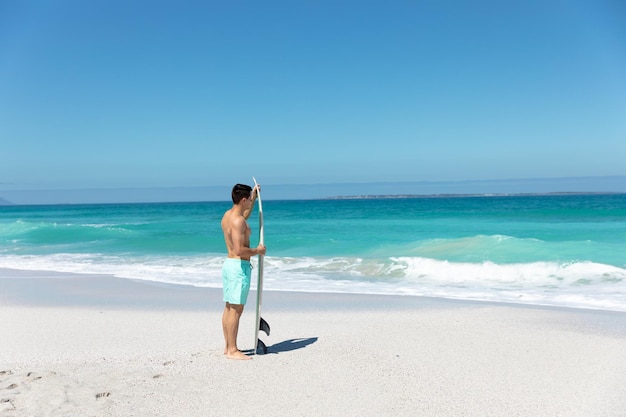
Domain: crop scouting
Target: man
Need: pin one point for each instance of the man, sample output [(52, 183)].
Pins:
[(237, 270)]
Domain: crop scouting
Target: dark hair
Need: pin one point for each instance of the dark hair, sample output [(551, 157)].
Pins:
[(241, 191)]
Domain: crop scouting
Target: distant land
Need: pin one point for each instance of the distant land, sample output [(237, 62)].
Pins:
[(4, 202), (408, 189), (400, 196)]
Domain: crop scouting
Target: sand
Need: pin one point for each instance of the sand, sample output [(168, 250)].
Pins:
[(75, 345)]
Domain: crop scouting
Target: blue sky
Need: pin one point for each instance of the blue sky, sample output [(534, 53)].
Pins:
[(165, 94)]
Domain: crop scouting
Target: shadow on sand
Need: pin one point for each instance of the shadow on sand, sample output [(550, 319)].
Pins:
[(291, 344), (287, 345)]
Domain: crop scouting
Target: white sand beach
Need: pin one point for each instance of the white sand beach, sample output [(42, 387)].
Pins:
[(75, 345)]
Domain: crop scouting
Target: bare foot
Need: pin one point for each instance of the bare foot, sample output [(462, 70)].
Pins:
[(237, 355)]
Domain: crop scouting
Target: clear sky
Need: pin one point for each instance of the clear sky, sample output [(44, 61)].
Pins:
[(207, 93)]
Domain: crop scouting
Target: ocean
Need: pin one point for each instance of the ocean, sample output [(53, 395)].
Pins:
[(554, 250)]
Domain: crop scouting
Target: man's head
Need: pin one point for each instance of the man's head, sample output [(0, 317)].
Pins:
[(241, 191)]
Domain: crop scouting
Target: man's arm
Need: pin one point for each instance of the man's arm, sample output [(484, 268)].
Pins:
[(247, 213)]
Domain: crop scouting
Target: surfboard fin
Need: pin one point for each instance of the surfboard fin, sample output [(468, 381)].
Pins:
[(263, 326), (261, 346)]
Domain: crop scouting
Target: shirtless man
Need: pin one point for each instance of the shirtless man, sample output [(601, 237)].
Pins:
[(237, 270)]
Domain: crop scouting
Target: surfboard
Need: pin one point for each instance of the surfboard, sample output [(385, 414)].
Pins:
[(260, 324)]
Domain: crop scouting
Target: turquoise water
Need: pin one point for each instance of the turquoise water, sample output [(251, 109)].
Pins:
[(566, 250)]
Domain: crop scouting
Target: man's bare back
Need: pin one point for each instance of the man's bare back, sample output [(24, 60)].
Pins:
[(236, 232)]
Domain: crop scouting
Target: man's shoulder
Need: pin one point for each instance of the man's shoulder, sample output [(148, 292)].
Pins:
[(238, 219), (233, 218)]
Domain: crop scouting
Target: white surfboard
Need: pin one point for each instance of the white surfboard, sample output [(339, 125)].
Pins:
[(260, 324)]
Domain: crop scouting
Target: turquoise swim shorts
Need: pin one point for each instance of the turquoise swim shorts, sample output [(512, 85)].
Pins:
[(236, 275)]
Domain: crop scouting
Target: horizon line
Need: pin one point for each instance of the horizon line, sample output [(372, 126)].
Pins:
[(615, 184)]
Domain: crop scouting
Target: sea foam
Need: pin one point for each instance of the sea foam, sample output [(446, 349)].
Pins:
[(571, 284)]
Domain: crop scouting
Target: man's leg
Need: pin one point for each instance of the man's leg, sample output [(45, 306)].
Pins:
[(230, 324), (225, 326)]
